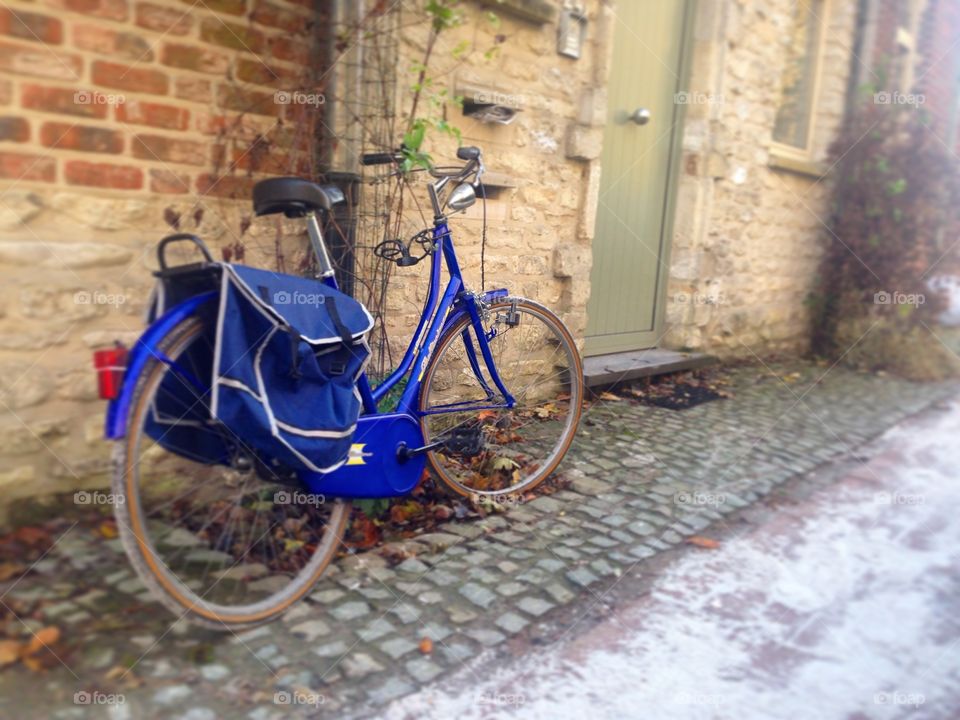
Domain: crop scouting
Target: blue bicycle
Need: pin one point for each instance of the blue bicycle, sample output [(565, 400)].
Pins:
[(228, 534)]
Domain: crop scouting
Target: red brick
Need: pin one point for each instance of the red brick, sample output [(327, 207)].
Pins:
[(30, 26), (135, 79), (286, 48), (211, 123), (255, 71), (108, 9), (193, 57), (168, 182), (231, 35), (175, 150), (196, 89), (40, 62), (267, 13), (229, 7), (293, 137), (170, 21), (105, 41), (243, 100), (229, 186), (78, 137), (271, 161), (81, 103), (104, 175), (28, 167), (14, 129), (139, 112)]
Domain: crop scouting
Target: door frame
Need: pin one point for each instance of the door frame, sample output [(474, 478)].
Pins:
[(670, 203)]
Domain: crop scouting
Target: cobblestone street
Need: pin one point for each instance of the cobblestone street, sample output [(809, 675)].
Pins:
[(639, 480)]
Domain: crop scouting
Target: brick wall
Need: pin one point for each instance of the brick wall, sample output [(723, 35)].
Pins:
[(938, 74), (130, 96), (118, 119)]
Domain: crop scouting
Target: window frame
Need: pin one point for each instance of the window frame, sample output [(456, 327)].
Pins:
[(790, 155)]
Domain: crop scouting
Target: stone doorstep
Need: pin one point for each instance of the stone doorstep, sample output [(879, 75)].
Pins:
[(610, 369)]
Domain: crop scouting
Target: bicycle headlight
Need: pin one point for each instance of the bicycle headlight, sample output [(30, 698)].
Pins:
[(462, 197)]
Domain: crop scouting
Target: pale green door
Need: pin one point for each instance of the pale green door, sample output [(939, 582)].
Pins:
[(638, 174)]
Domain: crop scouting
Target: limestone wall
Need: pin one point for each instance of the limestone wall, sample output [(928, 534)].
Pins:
[(543, 167), (748, 236)]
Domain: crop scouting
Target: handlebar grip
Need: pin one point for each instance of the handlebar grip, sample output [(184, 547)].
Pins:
[(468, 152), (379, 158)]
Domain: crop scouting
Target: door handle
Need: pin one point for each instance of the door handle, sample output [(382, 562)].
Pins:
[(641, 116)]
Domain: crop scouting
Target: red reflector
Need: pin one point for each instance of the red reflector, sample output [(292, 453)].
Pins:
[(110, 365)]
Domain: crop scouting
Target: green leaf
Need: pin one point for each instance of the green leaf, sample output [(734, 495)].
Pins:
[(460, 49), (372, 507), (897, 187), (413, 139)]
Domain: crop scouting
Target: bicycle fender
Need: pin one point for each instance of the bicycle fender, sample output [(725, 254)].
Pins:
[(115, 424)]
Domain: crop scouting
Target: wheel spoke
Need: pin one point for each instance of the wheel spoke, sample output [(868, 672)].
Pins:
[(220, 532), (520, 445)]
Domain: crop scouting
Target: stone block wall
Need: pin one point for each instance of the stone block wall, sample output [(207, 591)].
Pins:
[(544, 166), (748, 234), (119, 119)]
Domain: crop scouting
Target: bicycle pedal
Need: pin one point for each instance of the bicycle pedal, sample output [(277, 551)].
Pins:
[(465, 441)]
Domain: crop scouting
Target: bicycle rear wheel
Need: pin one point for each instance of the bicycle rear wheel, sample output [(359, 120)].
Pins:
[(489, 450), (224, 546)]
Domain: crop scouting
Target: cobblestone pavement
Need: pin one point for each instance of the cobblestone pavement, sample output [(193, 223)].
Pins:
[(637, 481)]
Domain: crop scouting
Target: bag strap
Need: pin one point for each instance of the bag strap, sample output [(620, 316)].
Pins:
[(331, 304), (295, 338)]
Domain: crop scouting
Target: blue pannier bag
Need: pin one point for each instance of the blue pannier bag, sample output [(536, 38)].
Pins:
[(284, 354)]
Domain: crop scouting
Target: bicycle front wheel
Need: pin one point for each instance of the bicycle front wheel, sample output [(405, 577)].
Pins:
[(489, 449), (222, 545)]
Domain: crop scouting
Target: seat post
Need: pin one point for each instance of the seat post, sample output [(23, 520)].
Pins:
[(319, 246)]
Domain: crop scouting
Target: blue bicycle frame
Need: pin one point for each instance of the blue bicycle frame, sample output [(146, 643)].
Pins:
[(440, 312)]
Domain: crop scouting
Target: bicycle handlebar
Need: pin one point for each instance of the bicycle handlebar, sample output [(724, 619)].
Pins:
[(469, 153), (382, 158)]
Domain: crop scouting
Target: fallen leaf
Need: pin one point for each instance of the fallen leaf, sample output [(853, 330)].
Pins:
[(503, 463), (426, 646), (115, 672), (33, 663), (10, 569), (9, 652), (108, 529), (609, 396), (31, 535), (45, 637), (442, 512), (703, 542)]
